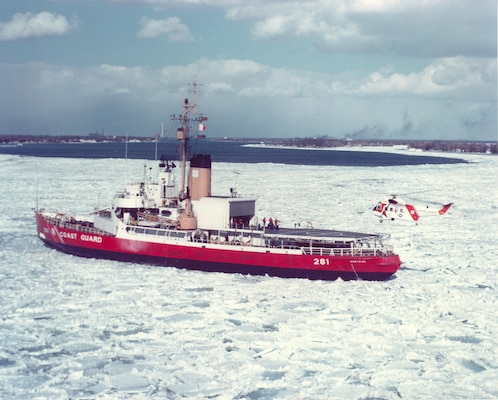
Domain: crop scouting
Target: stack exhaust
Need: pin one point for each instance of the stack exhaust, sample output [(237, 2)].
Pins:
[(199, 179)]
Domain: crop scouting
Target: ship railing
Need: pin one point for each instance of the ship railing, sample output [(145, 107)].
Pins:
[(75, 226), (159, 234), (348, 252)]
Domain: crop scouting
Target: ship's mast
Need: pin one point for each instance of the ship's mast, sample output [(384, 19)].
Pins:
[(188, 117)]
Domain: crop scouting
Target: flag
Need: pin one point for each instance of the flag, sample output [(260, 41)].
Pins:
[(202, 127)]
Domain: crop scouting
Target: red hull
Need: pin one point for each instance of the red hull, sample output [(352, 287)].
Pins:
[(233, 259)]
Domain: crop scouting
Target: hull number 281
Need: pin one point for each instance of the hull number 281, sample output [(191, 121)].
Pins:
[(321, 261)]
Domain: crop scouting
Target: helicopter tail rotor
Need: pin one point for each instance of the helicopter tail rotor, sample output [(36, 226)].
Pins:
[(445, 208)]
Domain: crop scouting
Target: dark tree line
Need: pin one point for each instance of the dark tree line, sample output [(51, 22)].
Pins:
[(434, 145)]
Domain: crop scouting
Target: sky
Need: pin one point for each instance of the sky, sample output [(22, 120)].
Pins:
[(359, 69)]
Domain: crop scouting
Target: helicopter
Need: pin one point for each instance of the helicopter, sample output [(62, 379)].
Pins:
[(393, 208)]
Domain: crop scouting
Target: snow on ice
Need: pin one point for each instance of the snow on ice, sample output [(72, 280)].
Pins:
[(82, 328)]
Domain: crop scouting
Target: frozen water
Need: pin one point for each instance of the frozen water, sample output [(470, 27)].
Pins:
[(81, 328)]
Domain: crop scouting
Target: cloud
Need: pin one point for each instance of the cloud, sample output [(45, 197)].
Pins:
[(172, 28), (163, 4), (442, 28), (434, 28), (29, 25), (455, 77), (449, 98)]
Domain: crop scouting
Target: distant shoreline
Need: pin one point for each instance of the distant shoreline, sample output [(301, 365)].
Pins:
[(322, 143), (238, 152)]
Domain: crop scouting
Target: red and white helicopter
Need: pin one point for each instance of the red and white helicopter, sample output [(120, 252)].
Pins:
[(393, 208)]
